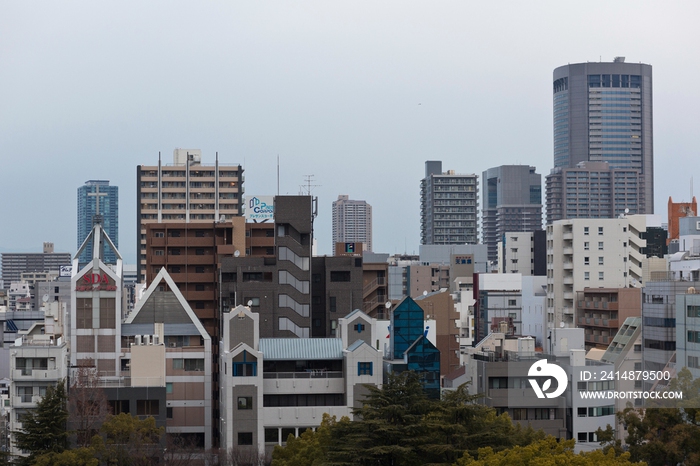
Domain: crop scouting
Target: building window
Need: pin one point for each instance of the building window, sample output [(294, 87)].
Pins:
[(178, 364), (600, 246), (600, 230), (158, 234), (169, 413), (272, 435), (245, 438), (252, 302), (694, 362), (159, 252), (340, 276), (169, 387), (147, 407), (586, 261), (601, 276), (600, 260), (192, 365), (582, 412), (245, 402), (512, 302), (333, 304), (359, 328), (586, 275), (586, 246), (364, 368), (693, 311), (585, 230)]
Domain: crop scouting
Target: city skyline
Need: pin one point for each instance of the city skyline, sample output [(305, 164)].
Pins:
[(415, 85)]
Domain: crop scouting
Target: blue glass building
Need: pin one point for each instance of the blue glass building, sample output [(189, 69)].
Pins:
[(409, 343), (109, 216)]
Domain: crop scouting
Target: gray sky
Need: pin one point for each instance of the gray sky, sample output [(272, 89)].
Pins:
[(359, 94)]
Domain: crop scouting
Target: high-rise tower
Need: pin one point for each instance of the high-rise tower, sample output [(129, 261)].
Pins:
[(92, 195), (352, 222), (185, 191), (603, 112), (449, 206), (512, 200)]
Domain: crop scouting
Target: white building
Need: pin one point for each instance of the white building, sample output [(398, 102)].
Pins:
[(590, 253), (352, 222), (274, 387)]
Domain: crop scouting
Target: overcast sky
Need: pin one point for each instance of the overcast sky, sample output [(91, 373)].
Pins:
[(357, 94)]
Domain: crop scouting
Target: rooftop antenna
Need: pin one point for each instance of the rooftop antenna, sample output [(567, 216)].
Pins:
[(278, 174), (309, 186)]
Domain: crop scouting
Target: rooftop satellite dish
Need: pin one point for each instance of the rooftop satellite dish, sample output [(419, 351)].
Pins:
[(237, 253), (45, 298), (387, 305), (627, 211), (250, 302), (561, 324), (425, 293)]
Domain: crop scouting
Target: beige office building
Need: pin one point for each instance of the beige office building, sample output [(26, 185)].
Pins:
[(185, 191)]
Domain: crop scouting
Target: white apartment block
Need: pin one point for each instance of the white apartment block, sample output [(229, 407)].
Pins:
[(517, 254), (591, 253), (352, 222)]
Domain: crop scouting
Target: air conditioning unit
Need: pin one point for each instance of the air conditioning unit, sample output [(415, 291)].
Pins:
[(137, 340)]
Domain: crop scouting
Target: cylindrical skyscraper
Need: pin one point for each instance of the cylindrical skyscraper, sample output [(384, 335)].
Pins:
[(603, 112)]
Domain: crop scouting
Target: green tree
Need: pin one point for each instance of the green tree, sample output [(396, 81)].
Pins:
[(77, 457), (667, 434), (545, 452), (126, 440), (44, 428), (310, 448)]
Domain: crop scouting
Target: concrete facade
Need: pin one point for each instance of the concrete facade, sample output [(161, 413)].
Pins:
[(512, 201), (590, 253), (186, 191), (449, 206)]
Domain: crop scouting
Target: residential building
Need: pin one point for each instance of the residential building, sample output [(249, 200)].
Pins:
[(590, 253), (375, 287), (14, 264), (593, 190), (439, 306), (192, 254), (352, 222), (274, 387), (523, 252), (512, 201), (449, 206), (38, 360), (94, 195), (186, 191), (600, 311), (499, 299), (603, 112)]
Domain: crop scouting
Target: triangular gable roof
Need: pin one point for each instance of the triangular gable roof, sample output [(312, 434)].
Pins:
[(356, 345), (240, 347), (356, 311), (91, 236), (163, 306), (418, 340)]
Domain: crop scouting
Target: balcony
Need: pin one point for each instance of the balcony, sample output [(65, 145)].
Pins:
[(36, 374), (303, 382)]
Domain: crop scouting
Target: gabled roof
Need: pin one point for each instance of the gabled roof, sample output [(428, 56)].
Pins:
[(167, 307), (289, 349), (356, 311), (356, 345)]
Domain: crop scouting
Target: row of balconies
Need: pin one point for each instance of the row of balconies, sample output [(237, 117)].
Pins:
[(599, 322)]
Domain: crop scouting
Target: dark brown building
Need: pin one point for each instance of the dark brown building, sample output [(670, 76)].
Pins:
[(601, 311)]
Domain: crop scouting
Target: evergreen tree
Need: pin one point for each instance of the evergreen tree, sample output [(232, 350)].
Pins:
[(44, 428)]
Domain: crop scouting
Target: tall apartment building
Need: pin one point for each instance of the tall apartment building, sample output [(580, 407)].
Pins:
[(93, 195), (593, 190), (590, 253), (15, 263), (186, 191), (512, 200), (603, 112), (352, 222), (449, 206)]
